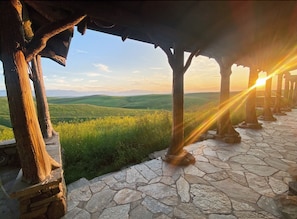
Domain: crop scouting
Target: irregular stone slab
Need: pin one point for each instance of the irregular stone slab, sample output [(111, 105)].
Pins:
[(260, 170), (120, 176), (167, 180), (155, 206), (210, 200), (225, 155), (195, 180), (134, 176), (163, 216), (183, 189), (116, 212), (257, 153), (241, 206), (72, 213), (81, 194), (273, 153), (209, 152), (236, 191), (201, 158), (100, 200), (238, 176), (216, 176), (70, 204), (141, 212), (262, 145), (207, 167), (247, 159), (259, 184), (97, 186), (171, 201), (218, 163), (145, 171), (82, 215), (192, 170), (278, 186), (269, 205), (153, 190), (254, 215), (77, 184), (276, 163), (220, 216), (125, 196), (155, 165), (188, 210)]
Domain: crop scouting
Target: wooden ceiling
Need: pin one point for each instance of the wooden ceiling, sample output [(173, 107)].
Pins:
[(259, 33)]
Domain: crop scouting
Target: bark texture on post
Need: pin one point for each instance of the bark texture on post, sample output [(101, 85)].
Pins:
[(177, 141), (41, 99), (251, 120), (35, 161), (176, 154), (267, 113), (225, 130)]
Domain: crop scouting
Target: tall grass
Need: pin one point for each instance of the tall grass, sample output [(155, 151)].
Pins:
[(107, 144)]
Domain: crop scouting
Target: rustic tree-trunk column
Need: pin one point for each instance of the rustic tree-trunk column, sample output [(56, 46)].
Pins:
[(286, 92), (177, 139), (35, 162), (225, 130), (41, 99), (176, 154), (267, 113), (277, 104), (251, 120)]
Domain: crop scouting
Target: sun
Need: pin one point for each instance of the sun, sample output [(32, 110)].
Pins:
[(260, 82)]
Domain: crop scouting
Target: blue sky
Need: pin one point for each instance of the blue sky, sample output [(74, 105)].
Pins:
[(100, 62)]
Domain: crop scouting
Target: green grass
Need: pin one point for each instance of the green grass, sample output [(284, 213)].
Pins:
[(154, 101), (101, 134)]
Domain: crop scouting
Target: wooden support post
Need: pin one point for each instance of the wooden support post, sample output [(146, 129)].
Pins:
[(177, 139), (225, 130), (41, 99), (267, 113), (286, 106), (176, 154), (251, 120), (35, 161), (278, 98)]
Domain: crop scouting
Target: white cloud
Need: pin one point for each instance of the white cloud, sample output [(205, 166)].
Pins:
[(135, 72), (93, 74), (102, 67)]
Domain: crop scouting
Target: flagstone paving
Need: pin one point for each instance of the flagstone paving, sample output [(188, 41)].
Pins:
[(228, 181)]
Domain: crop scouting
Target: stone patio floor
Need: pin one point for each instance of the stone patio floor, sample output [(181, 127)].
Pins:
[(228, 181)]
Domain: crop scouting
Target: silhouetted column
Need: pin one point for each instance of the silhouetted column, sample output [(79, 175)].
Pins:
[(251, 120), (267, 113), (176, 154), (286, 106), (277, 104), (41, 99), (225, 130), (295, 92)]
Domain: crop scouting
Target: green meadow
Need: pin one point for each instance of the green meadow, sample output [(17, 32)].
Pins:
[(100, 134)]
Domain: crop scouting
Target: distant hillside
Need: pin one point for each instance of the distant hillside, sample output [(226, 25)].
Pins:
[(152, 101)]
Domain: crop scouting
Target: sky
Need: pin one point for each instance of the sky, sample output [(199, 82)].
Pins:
[(102, 63)]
